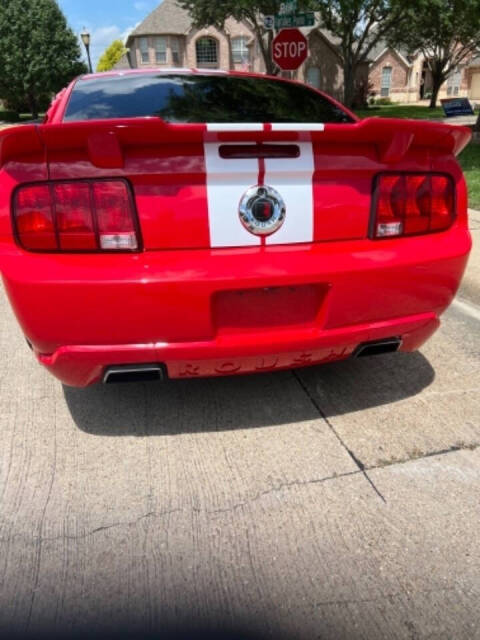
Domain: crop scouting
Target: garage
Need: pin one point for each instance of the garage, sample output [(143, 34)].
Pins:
[(475, 85)]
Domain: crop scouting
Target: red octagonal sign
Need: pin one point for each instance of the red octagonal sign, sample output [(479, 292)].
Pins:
[(290, 49)]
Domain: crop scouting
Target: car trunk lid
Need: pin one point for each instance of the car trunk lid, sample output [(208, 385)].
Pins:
[(189, 179)]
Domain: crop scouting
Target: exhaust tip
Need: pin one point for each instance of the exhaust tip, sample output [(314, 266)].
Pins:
[(134, 373), (378, 347)]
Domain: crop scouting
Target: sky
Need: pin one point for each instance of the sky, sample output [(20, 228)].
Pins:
[(106, 20)]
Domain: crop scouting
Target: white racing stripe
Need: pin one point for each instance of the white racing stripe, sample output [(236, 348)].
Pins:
[(298, 126), (293, 179), (234, 126), (227, 181), (258, 126)]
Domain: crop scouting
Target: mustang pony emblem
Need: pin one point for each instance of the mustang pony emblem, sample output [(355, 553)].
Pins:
[(262, 210)]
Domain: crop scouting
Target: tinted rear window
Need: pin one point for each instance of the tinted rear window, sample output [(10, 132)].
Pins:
[(199, 98)]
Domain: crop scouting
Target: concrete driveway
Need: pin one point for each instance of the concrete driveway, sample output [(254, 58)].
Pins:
[(336, 502)]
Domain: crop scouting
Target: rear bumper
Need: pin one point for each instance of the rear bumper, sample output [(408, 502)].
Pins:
[(81, 366), (84, 313)]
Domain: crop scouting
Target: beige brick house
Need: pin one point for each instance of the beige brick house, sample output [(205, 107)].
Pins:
[(167, 38), (402, 77)]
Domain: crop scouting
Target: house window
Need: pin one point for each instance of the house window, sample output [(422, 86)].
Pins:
[(386, 81), (161, 50), (175, 48), (207, 54), (453, 83), (240, 52), (314, 77), (144, 50)]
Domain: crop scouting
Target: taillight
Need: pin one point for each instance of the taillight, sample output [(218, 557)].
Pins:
[(410, 204), (85, 215), (34, 218)]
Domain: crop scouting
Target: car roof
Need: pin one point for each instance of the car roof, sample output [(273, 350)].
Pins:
[(168, 71)]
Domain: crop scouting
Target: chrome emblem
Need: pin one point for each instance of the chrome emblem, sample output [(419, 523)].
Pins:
[(262, 210)]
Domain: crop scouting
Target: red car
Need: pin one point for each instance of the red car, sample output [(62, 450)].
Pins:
[(193, 223)]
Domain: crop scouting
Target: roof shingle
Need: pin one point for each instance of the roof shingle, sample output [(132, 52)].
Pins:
[(122, 64), (167, 18)]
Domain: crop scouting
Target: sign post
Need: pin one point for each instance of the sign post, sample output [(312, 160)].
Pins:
[(288, 7), (290, 49)]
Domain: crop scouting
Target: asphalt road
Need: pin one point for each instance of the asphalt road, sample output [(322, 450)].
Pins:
[(336, 502)]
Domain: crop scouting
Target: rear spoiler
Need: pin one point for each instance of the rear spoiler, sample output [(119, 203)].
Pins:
[(105, 140)]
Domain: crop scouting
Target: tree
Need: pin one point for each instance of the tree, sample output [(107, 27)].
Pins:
[(359, 25), (111, 56), (39, 53), (206, 13), (446, 32)]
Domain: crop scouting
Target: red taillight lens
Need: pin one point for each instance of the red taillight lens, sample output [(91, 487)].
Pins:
[(86, 215), (34, 218), (74, 216), (409, 204), (115, 224)]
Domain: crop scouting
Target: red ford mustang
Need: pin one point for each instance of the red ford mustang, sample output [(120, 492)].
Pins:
[(185, 223)]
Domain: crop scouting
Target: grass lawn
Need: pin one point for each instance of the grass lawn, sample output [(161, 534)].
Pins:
[(12, 118), (401, 111), (470, 161)]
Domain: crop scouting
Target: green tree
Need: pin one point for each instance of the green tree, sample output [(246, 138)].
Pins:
[(111, 56), (39, 53), (206, 13), (359, 25), (447, 32)]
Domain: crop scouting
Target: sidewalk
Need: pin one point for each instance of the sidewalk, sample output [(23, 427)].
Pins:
[(464, 121), (470, 288)]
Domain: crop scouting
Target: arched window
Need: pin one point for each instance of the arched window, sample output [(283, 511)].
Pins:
[(207, 52), (240, 52)]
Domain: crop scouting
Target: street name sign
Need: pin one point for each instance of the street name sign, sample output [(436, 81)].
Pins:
[(296, 20)]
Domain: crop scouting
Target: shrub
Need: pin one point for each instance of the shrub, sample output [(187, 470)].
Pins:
[(383, 101), (9, 116)]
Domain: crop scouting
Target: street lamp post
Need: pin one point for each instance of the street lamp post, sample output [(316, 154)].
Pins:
[(85, 36)]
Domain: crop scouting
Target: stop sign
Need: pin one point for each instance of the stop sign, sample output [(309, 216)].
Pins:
[(290, 49)]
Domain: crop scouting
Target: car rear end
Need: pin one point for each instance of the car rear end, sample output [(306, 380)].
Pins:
[(124, 250)]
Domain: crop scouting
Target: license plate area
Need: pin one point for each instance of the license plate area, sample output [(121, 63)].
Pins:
[(268, 308)]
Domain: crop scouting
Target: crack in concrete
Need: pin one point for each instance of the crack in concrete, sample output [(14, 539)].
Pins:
[(358, 463), (385, 596), (162, 514), (276, 489), (383, 464), (128, 523)]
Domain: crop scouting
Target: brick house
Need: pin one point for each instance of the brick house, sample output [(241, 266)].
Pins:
[(402, 77), (167, 38)]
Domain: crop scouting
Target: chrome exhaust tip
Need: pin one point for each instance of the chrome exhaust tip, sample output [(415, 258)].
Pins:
[(378, 347), (134, 373)]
